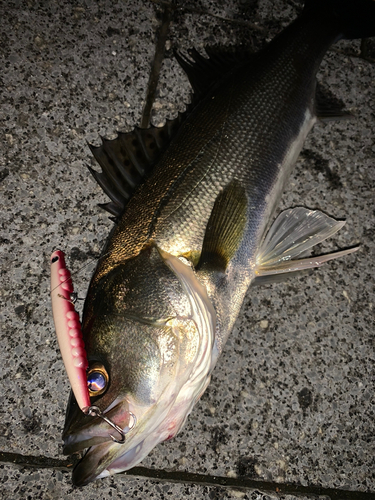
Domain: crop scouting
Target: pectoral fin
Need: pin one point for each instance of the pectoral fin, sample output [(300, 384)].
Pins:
[(225, 228), (294, 232)]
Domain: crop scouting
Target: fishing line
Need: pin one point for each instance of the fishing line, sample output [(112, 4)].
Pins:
[(77, 272)]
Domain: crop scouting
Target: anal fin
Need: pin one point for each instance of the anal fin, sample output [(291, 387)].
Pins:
[(293, 233)]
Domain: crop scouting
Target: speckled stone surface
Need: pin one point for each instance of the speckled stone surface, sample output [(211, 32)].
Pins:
[(292, 399), (51, 485)]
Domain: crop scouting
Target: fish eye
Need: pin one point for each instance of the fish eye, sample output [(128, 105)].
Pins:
[(97, 379)]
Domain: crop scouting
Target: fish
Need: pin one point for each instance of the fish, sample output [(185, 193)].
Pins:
[(193, 203)]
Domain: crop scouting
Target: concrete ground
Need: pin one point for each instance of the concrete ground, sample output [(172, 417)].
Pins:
[(290, 409)]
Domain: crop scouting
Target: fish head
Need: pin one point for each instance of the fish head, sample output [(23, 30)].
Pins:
[(149, 349)]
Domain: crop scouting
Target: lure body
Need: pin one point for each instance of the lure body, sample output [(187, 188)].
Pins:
[(68, 329)]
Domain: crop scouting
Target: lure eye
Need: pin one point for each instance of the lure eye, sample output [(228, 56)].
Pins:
[(97, 379)]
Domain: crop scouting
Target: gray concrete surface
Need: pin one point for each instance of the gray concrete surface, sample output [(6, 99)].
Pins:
[(292, 399)]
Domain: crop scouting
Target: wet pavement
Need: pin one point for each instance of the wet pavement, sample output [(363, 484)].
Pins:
[(290, 409)]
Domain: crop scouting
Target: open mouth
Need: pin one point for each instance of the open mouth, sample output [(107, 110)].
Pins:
[(85, 429), (106, 436), (107, 459), (105, 455)]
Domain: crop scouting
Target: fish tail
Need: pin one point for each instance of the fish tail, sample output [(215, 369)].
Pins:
[(354, 18)]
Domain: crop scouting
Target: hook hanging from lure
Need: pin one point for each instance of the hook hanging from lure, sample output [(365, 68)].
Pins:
[(69, 336)]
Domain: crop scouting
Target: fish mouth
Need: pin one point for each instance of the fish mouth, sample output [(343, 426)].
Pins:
[(97, 429), (100, 461), (104, 456), (104, 444)]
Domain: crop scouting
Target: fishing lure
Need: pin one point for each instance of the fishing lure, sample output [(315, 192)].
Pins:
[(68, 330), (72, 346)]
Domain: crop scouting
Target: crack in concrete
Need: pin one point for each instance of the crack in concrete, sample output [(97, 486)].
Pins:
[(156, 65), (240, 483)]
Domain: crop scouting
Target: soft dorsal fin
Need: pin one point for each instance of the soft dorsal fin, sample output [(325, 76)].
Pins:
[(225, 228), (204, 72)]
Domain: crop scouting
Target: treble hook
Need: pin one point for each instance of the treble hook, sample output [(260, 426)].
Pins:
[(94, 411)]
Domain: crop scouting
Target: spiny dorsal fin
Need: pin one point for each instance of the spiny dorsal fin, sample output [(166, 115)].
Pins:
[(129, 159), (225, 228), (204, 72)]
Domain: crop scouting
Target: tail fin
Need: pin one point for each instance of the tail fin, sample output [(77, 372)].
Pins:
[(355, 18)]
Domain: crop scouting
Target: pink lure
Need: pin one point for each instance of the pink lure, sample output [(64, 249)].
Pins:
[(68, 329)]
